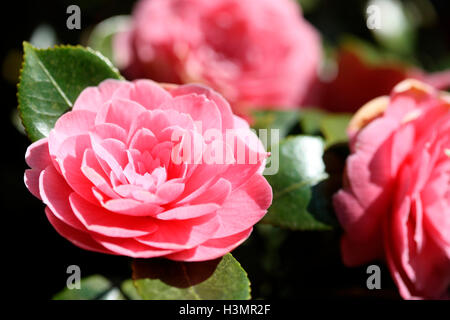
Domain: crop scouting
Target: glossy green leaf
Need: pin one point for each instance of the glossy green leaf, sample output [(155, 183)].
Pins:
[(52, 79), (162, 279), (301, 168)]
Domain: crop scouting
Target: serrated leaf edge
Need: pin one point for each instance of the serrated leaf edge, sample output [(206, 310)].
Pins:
[(55, 47)]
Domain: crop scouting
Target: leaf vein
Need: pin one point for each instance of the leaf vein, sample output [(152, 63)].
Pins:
[(191, 287), (296, 186), (51, 80)]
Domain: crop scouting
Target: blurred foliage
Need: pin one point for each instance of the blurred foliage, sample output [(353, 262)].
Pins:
[(283, 121), (414, 30), (101, 36), (333, 126), (97, 287), (92, 287)]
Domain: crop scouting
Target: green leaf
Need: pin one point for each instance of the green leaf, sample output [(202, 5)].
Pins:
[(302, 168), (308, 5), (284, 121), (310, 120), (130, 290), (278, 119), (333, 126), (101, 37), (52, 79), (91, 288), (162, 279), (376, 56)]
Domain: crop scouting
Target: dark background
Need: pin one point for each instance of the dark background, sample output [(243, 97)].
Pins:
[(280, 264)]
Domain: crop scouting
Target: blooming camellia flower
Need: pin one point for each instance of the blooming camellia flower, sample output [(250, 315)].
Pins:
[(114, 180), (395, 203), (257, 53)]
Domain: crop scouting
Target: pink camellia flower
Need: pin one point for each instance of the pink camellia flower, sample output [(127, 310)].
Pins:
[(395, 203), (115, 181), (257, 53)]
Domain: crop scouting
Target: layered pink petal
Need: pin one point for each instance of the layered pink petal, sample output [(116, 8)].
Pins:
[(31, 179), (120, 112), (77, 237), (70, 124), (188, 212), (147, 93), (226, 114), (199, 108), (132, 207), (182, 234), (72, 152), (101, 221), (92, 98), (37, 155), (212, 249), (130, 247), (253, 198), (55, 193)]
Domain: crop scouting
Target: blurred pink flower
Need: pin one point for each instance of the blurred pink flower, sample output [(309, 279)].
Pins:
[(257, 53), (395, 203), (107, 177)]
